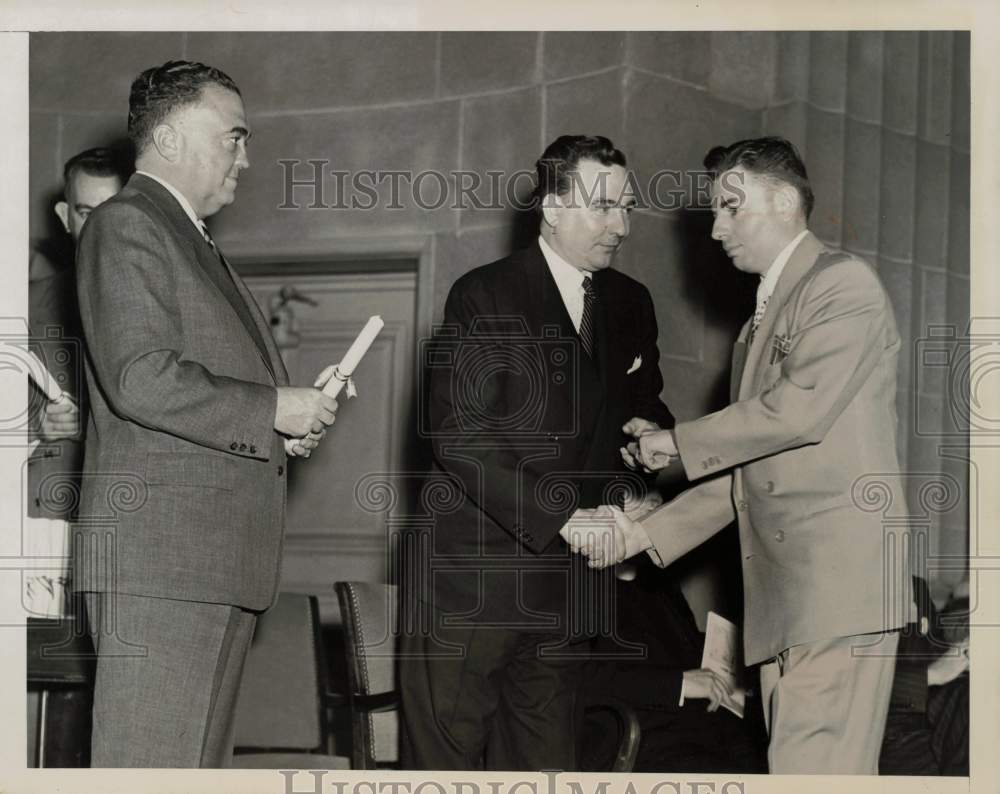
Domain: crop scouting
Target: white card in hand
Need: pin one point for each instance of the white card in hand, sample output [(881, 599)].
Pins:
[(721, 657)]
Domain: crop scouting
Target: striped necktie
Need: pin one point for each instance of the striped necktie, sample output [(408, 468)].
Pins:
[(208, 237), (587, 321)]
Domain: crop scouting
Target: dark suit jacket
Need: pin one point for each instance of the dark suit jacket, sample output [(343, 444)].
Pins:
[(525, 428), (183, 468), (642, 664), (655, 640), (56, 338)]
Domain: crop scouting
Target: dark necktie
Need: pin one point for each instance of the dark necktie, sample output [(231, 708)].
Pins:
[(589, 310)]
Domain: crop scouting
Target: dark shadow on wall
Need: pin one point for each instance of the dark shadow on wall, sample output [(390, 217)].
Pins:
[(523, 228), (724, 295), (56, 245)]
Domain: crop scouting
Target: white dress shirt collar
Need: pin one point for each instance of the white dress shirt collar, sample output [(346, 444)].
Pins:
[(770, 278), (185, 204), (569, 280)]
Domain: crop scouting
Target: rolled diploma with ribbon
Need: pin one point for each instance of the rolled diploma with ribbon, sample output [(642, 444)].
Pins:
[(343, 371), (44, 379)]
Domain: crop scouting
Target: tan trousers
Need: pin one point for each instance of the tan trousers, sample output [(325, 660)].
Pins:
[(825, 704)]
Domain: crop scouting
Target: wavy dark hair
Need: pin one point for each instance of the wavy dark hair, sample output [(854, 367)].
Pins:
[(772, 158), (160, 90), (555, 168)]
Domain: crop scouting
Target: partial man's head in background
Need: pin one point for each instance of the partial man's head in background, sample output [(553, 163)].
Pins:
[(189, 127), (89, 179)]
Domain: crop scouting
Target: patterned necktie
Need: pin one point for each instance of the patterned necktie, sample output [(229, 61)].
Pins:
[(208, 237), (758, 312), (587, 321), (758, 315)]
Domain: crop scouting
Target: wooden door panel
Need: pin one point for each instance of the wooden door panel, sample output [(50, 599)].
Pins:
[(329, 537)]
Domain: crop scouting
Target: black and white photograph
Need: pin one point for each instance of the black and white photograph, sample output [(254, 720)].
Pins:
[(572, 409)]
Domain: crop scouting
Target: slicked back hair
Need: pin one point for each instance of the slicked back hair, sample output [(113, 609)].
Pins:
[(557, 165), (771, 158), (160, 90), (101, 161)]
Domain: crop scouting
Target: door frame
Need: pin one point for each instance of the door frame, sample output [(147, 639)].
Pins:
[(378, 254)]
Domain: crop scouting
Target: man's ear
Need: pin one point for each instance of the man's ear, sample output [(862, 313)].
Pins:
[(551, 207), (62, 212), (786, 200), (166, 140)]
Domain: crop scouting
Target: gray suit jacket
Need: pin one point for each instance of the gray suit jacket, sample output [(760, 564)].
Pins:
[(813, 417), (183, 493)]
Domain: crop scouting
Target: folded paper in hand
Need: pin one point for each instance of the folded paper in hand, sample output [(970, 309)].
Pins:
[(721, 656)]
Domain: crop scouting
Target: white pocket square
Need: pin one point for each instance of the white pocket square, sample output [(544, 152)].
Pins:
[(635, 365)]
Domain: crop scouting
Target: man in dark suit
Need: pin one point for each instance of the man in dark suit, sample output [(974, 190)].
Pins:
[(89, 179), (667, 686), (543, 357), (183, 493)]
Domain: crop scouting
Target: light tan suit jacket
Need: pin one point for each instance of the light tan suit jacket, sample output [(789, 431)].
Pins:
[(813, 413)]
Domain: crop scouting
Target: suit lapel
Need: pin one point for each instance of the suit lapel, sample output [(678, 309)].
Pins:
[(546, 305), (547, 309), (739, 362), (263, 338), (602, 327), (217, 269), (801, 260)]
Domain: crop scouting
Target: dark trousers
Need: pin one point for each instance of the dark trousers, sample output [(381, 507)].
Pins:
[(168, 675), (489, 698)]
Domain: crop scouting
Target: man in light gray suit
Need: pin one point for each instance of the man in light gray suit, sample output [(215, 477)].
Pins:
[(813, 415), (191, 421)]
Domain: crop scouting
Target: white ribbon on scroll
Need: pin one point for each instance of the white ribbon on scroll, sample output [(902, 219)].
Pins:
[(343, 371)]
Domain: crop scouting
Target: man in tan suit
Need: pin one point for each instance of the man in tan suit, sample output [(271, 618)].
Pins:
[(813, 411)]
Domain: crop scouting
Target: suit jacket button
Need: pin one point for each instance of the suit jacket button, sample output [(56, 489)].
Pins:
[(552, 437), (234, 446), (253, 450), (741, 505), (769, 486), (281, 470), (243, 447), (779, 536)]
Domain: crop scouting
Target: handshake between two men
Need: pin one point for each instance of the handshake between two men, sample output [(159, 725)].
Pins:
[(608, 535)]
